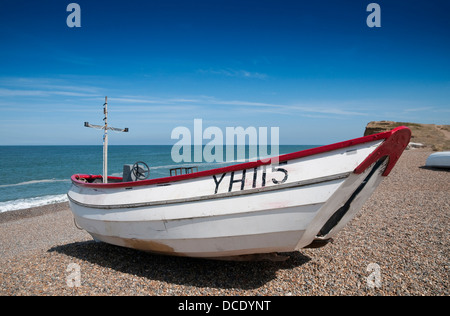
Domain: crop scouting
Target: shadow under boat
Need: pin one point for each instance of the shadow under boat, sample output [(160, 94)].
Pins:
[(197, 272)]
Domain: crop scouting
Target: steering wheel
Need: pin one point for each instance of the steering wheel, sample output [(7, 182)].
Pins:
[(140, 170)]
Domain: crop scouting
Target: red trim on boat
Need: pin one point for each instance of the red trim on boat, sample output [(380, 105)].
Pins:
[(392, 147), (395, 142)]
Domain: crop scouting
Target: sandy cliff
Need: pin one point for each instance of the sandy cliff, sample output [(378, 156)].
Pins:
[(435, 137)]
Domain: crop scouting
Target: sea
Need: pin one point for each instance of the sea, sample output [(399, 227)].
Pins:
[(32, 176)]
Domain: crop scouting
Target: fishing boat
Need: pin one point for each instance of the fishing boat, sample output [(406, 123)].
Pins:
[(293, 201), (439, 160)]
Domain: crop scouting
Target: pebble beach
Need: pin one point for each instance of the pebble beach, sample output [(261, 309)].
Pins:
[(398, 244)]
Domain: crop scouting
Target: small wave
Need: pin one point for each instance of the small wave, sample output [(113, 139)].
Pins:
[(33, 182), (21, 204)]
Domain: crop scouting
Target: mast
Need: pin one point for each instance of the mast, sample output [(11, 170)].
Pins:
[(105, 143), (105, 138)]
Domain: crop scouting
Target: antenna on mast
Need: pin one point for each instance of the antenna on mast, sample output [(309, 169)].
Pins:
[(105, 138)]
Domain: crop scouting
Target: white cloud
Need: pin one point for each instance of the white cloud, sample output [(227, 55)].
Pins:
[(47, 91), (239, 73), (337, 109), (21, 92), (421, 109), (41, 93)]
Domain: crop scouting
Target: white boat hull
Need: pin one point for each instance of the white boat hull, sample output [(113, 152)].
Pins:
[(439, 160), (262, 209)]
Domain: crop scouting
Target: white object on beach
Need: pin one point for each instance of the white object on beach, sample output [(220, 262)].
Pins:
[(245, 209), (439, 160), (415, 145)]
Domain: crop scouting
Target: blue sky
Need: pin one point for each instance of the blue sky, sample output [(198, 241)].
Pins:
[(312, 68)]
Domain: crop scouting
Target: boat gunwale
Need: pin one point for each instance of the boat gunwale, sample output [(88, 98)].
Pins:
[(293, 185), (388, 150)]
